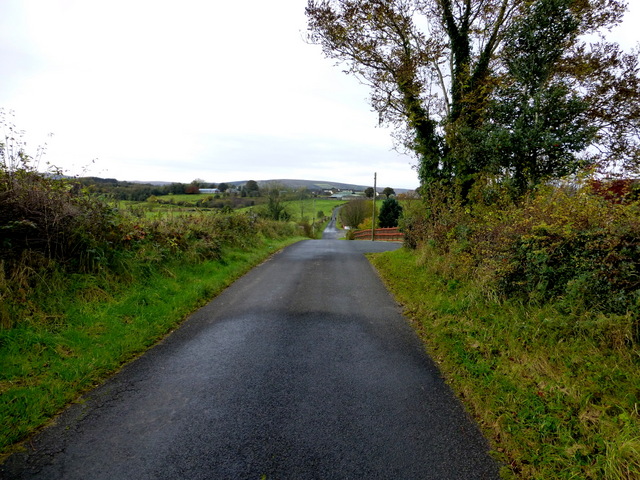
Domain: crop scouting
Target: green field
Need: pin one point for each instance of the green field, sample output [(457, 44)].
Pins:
[(308, 209)]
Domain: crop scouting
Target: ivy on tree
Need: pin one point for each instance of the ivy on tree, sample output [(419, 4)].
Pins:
[(507, 88)]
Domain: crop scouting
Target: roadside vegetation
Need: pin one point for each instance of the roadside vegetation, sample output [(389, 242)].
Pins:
[(85, 285), (533, 313)]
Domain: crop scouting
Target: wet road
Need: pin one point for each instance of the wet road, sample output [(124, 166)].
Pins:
[(332, 232), (303, 369)]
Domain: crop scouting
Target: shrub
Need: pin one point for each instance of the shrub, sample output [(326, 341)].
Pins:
[(275, 209), (562, 244), (578, 248), (53, 217), (354, 212)]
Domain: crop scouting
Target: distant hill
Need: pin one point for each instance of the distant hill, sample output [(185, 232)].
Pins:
[(156, 183), (294, 183), (310, 184), (315, 185)]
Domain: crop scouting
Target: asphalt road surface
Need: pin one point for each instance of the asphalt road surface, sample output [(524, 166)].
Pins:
[(332, 232), (302, 369)]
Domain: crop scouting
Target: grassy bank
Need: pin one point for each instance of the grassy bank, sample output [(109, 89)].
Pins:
[(93, 324), (555, 392), (86, 286)]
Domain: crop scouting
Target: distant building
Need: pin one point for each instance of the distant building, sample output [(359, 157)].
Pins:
[(209, 190), (345, 195)]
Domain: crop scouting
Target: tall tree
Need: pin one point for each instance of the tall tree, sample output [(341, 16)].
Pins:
[(252, 188), (389, 213), (439, 69)]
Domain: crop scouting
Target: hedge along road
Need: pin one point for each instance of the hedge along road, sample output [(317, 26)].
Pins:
[(302, 369)]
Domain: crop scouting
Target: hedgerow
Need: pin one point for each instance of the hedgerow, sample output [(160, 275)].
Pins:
[(532, 312), (565, 244), (54, 230)]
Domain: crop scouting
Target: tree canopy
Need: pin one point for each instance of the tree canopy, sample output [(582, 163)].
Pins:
[(523, 89), (252, 188)]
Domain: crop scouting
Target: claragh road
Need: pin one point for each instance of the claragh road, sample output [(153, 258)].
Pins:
[(302, 369)]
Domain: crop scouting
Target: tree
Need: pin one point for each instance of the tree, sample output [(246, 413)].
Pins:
[(223, 187), (443, 73), (355, 212), (530, 139), (369, 192), (390, 212), (388, 191), (276, 210), (252, 188), (177, 188), (194, 186)]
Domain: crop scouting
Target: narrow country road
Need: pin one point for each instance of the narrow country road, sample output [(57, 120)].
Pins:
[(332, 232), (302, 369)]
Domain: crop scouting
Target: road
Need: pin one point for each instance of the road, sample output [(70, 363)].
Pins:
[(332, 232), (302, 369)]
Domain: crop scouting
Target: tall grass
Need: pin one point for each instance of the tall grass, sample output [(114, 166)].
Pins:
[(556, 393)]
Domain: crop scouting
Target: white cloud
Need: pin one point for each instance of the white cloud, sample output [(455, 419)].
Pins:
[(165, 90)]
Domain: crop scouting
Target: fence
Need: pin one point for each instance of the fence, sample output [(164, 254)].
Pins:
[(381, 234)]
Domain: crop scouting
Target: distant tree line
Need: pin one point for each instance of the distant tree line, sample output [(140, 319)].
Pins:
[(140, 192), (121, 190)]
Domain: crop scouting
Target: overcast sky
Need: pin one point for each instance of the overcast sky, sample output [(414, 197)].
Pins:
[(173, 91)]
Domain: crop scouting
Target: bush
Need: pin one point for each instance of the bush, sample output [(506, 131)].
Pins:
[(275, 209), (577, 248)]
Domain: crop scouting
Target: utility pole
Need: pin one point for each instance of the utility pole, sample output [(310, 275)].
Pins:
[(373, 219)]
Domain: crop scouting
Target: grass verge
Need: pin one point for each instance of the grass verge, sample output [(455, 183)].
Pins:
[(105, 322), (556, 393)]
